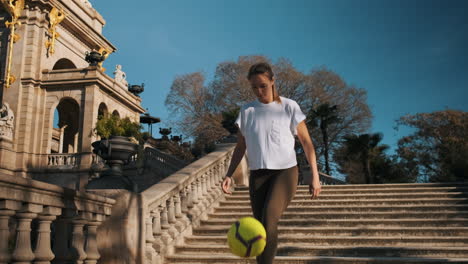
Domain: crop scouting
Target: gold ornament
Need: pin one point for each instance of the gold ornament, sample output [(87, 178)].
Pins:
[(14, 8), (55, 17)]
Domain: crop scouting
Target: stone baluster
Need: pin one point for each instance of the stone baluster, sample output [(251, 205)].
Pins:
[(157, 243), (218, 179), (200, 190), (5, 216), (194, 193), (185, 200), (184, 207), (165, 237), (171, 217), (212, 185), (23, 254), (204, 201), (91, 249), (77, 252), (43, 253), (180, 224), (149, 240)]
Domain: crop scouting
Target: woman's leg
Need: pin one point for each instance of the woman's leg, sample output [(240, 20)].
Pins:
[(276, 193)]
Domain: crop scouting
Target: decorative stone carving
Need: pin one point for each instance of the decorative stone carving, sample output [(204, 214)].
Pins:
[(119, 75), (6, 121), (87, 3)]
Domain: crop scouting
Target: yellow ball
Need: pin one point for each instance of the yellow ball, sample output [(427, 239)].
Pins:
[(247, 237)]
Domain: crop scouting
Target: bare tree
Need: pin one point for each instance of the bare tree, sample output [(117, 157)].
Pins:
[(196, 107)]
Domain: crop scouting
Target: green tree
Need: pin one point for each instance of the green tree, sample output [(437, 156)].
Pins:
[(356, 155), (438, 146), (323, 116)]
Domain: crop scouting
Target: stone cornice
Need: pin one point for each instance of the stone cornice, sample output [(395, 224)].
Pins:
[(36, 192), (80, 28), (89, 76)]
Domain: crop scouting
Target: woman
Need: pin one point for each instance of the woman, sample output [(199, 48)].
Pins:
[(266, 131)]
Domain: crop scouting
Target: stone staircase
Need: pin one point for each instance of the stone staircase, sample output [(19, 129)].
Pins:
[(390, 223)]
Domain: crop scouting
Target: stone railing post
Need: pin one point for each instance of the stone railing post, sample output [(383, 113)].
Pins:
[(165, 237), (43, 253), (183, 198), (212, 185), (171, 217), (157, 243), (179, 225), (77, 246), (5, 216), (91, 249), (23, 254), (150, 252), (194, 193)]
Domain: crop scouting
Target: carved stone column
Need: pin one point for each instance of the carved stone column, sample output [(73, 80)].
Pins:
[(157, 232), (5, 216), (184, 208), (149, 240), (43, 252), (77, 252), (165, 237), (23, 253), (171, 217), (91, 249), (180, 224), (194, 193)]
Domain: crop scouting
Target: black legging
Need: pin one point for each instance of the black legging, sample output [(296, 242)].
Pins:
[(270, 193)]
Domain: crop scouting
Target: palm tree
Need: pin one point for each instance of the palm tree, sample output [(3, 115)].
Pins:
[(322, 117), (366, 147)]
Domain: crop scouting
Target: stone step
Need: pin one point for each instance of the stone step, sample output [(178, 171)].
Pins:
[(353, 208), (344, 241), (453, 222), (332, 196), (343, 251), (446, 214), (350, 202), (410, 186), (228, 258), (350, 231), (369, 191)]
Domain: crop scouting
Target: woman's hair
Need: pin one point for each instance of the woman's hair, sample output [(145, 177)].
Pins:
[(264, 68)]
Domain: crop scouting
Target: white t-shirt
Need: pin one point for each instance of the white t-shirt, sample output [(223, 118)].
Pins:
[(269, 131)]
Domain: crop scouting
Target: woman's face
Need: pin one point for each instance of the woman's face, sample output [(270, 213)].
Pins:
[(262, 87)]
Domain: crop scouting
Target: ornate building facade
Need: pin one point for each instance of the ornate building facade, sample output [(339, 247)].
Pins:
[(45, 54)]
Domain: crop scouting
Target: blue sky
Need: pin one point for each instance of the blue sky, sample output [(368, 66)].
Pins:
[(411, 56)]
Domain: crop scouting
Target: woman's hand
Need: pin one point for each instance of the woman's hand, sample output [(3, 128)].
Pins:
[(226, 185), (315, 188)]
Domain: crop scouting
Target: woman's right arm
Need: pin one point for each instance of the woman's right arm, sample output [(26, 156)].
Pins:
[(237, 156)]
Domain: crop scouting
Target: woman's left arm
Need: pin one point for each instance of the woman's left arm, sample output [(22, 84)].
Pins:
[(304, 137)]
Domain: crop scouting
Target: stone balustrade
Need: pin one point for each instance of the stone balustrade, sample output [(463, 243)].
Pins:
[(165, 160), (329, 180), (44, 223), (177, 204), (63, 159)]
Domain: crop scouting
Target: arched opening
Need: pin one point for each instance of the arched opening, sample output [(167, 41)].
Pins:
[(65, 127), (102, 111), (116, 113), (64, 64)]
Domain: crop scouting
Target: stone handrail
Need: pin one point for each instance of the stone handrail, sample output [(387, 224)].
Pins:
[(329, 180), (63, 159), (164, 159), (24, 200), (177, 204)]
